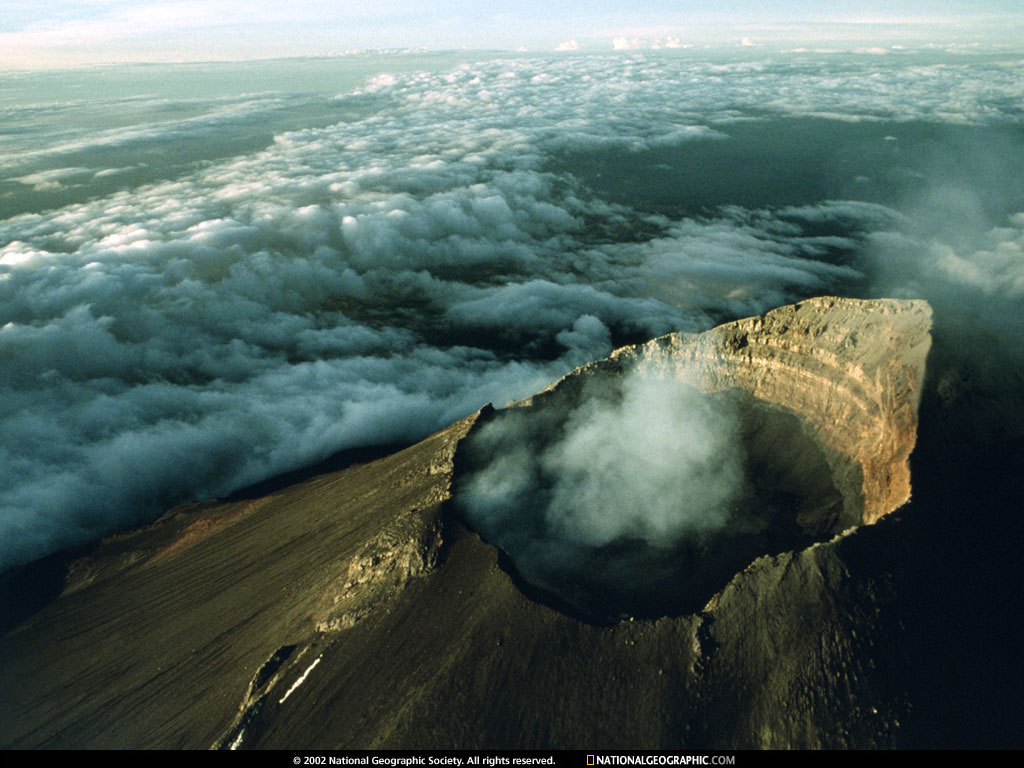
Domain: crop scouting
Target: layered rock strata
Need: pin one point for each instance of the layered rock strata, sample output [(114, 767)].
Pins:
[(850, 370)]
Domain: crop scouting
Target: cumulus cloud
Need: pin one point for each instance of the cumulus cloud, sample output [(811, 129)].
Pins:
[(622, 43), (184, 324), (568, 45)]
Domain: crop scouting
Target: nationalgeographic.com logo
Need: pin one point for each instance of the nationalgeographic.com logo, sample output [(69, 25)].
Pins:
[(661, 760)]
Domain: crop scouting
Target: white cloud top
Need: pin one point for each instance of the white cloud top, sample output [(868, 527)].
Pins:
[(188, 307)]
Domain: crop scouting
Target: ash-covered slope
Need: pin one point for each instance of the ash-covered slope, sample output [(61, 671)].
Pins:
[(355, 610)]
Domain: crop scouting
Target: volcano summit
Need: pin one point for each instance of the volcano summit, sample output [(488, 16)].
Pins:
[(398, 603)]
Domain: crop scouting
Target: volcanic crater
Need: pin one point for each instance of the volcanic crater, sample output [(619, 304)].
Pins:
[(821, 405), (353, 609)]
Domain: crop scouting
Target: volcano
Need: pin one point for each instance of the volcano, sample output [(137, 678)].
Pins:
[(365, 608)]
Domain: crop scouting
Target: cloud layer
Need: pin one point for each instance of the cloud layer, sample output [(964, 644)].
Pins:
[(200, 311)]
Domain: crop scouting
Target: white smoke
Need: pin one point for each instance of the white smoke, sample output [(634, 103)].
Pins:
[(575, 495), (662, 462)]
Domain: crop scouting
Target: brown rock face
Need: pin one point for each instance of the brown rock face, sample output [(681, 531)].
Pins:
[(808, 417), (850, 370), (353, 610)]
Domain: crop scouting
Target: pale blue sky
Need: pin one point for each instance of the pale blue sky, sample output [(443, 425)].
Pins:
[(91, 31)]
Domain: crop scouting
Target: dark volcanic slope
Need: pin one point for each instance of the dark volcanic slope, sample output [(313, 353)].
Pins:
[(352, 611), (160, 631)]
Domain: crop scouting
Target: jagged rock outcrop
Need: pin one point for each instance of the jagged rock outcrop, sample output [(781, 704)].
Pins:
[(352, 610)]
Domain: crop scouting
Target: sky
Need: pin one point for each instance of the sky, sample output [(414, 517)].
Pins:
[(77, 32)]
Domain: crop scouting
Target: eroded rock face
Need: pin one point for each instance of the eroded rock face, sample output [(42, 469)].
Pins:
[(352, 610), (851, 370), (640, 484)]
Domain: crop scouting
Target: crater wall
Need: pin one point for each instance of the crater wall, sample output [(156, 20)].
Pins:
[(851, 370)]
